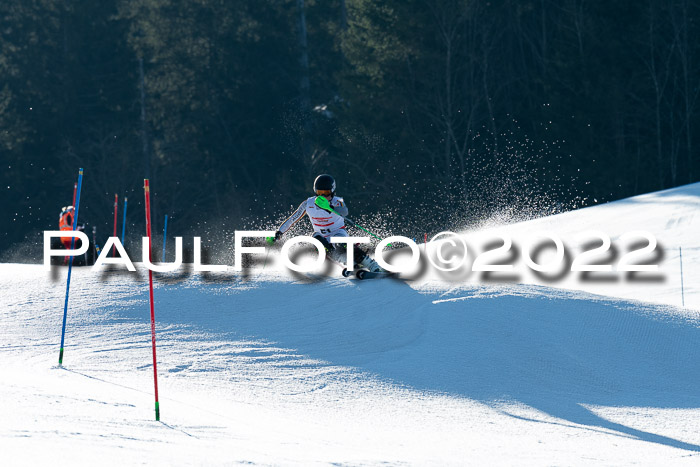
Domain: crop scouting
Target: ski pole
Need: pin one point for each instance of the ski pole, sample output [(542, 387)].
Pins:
[(116, 204), (323, 203), (94, 243), (70, 266), (355, 224), (124, 221)]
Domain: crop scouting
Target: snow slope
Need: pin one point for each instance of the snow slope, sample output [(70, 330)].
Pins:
[(671, 216), (273, 368)]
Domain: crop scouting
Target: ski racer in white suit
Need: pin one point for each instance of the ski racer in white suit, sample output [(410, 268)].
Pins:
[(327, 223)]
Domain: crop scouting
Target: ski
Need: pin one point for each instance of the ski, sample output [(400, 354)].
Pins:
[(363, 274)]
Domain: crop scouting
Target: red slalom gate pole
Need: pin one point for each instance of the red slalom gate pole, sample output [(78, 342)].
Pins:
[(150, 289), (75, 191), (116, 199)]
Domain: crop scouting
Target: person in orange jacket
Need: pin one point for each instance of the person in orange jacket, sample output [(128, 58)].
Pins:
[(65, 223)]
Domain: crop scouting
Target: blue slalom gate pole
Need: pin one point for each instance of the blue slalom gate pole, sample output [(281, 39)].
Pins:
[(70, 266), (124, 221), (165, 233)]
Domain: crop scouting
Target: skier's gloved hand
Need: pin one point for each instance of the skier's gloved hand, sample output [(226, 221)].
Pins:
[(272, 240), (323, 203)]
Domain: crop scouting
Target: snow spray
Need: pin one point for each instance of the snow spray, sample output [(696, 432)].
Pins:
[(70, 264)]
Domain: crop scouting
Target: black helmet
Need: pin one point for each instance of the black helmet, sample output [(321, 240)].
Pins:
[(324, 183)]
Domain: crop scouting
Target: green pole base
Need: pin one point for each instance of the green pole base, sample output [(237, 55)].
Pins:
[(157, 412), (60, 357)]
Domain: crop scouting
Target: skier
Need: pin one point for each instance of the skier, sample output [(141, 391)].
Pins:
[(327, 223), (65, 223)]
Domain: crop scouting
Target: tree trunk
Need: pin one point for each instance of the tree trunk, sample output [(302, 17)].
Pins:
[(303, 59), (658, 94), (304, 90), (343, 16), (144, 130)]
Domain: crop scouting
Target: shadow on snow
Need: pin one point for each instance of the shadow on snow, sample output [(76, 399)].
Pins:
[(556, 354)]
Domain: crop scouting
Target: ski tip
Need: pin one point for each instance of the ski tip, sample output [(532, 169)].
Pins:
[(363, 274)]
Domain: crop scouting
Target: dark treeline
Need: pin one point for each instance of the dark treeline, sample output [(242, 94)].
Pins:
[(232, 107)]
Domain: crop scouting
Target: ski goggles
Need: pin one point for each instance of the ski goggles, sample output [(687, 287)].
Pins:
[(324, 192)]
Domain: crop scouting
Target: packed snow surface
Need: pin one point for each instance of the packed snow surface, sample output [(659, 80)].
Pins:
[(270, 367)]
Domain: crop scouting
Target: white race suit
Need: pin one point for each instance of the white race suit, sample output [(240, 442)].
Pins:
[(326, 224)]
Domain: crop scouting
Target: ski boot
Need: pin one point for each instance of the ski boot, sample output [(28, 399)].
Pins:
[(369, 268), (369, 264)]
